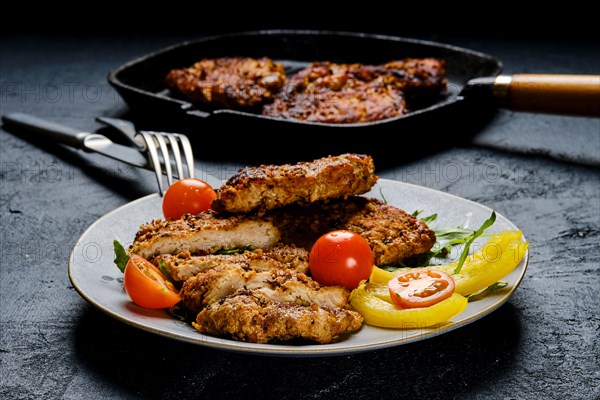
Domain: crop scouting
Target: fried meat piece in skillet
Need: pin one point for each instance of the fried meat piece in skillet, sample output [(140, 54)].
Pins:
[(332, 93), (271, 186), (352, 93), (250, 316), (417, 77), (183, 266), (229, 82)]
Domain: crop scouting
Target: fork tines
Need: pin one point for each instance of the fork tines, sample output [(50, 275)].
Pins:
[(168, 143)]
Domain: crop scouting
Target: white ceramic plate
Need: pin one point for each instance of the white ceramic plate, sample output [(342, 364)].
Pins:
[(98, 280)]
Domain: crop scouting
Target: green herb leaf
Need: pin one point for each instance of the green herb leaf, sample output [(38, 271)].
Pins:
[(234, 251), (446, 238), (382, 196), (429, 219), (121, 256), (492, 288), (164, 269), (453, 233), (486, 224), (389, 267)]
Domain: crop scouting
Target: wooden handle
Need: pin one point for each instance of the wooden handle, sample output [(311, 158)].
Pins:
[(556, 94)]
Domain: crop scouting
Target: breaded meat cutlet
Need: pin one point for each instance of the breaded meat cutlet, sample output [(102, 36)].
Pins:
[(271, 186), (278, 285), (205, 232), (183, 266), (229, 82), (393, 234), (251, 317)]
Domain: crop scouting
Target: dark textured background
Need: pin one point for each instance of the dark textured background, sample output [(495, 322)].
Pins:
[(539, 171)]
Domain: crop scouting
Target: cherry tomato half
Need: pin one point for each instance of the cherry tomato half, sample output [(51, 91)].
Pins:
[(420, 288), (187, 196), (147, 286), (341, 258)]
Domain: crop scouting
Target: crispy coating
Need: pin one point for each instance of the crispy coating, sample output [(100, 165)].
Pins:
[(250, 316), (205, 232), (393, 234), (272, 186), (229, 82), (183, 266), (352, 93), (278, 285)]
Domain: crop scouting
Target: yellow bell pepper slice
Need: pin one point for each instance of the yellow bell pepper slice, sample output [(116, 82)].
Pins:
[(493, 261), (370, 300)]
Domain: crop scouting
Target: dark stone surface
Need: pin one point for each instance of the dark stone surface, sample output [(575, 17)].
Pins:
[(539, 171)]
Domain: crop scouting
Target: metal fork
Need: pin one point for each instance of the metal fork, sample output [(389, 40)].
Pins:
[(149, 141), (167, 143), (142, 151)]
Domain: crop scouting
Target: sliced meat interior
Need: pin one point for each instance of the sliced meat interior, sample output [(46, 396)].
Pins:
[(205, 232), (183, 266), (284, 286)]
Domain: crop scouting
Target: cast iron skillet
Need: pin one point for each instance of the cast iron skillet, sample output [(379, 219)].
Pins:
[(141, 82), (473, 82)]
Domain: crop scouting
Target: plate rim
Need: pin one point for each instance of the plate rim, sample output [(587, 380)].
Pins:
[(297, 351)]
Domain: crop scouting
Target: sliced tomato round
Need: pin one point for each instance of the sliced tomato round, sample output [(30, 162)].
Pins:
[(420, 288), (147, 286), (187, 196), (341, 258)]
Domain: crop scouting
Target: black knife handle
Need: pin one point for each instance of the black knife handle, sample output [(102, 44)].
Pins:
[(50, 130)]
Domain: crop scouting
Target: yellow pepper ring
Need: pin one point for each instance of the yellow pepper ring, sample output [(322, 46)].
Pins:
[(379, 312), (496, 259)]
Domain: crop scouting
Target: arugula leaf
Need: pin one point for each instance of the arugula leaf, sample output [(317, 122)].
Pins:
[(492, 288), (382, 196), (452, 233), (446, 238), (121, 256), (429, 219), (390, 267), (234, 251), (486, 224)]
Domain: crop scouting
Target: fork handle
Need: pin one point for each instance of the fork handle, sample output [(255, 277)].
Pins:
[(50, 130)]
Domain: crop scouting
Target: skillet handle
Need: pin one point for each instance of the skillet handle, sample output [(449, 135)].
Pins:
[(546, 93)]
